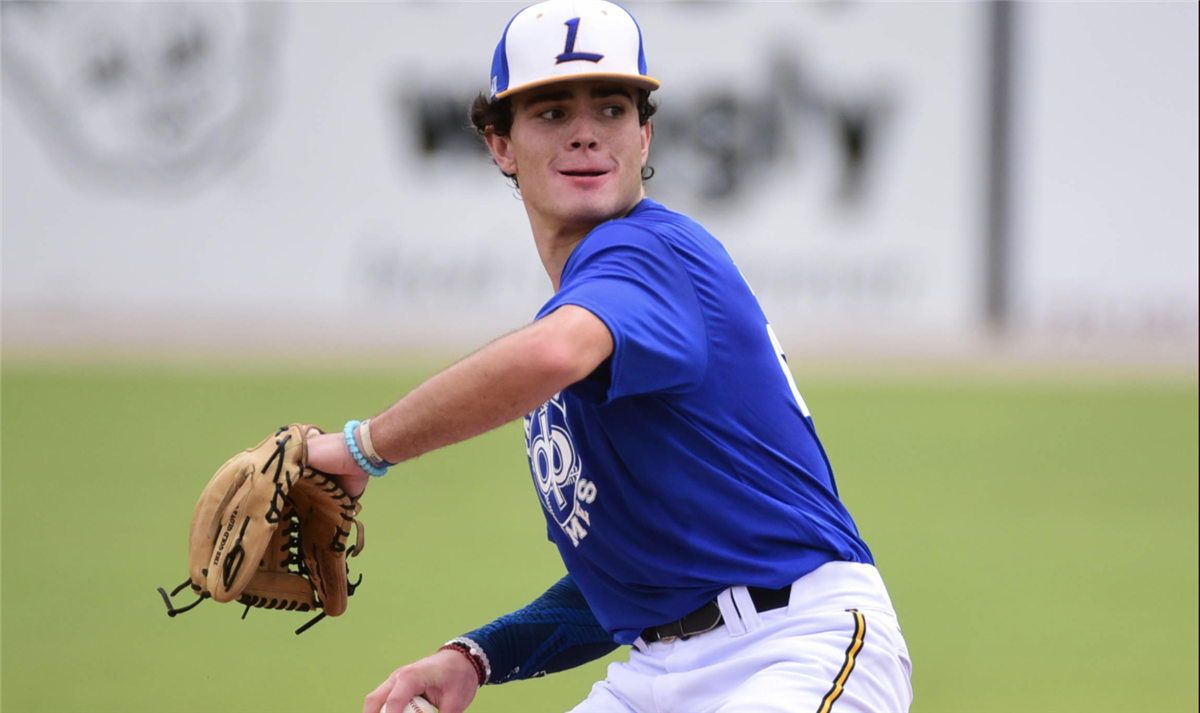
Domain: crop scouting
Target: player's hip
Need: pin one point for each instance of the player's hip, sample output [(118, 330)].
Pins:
[(836, 646), (828, 604)]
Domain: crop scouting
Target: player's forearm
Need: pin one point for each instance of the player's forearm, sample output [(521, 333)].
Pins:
[(487, 389), (555, 632), (503, 381)]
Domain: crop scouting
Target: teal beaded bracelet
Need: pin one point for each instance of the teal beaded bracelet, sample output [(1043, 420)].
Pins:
[(356, 452)]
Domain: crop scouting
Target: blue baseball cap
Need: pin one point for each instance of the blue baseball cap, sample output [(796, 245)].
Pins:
[(563, 40)]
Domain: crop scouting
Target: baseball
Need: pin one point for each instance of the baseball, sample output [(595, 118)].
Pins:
[(417, 705)]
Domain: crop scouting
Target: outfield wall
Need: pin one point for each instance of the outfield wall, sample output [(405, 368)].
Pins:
[(181, 174)]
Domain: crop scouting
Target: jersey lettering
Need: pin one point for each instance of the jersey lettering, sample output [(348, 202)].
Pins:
[(555, 466), (787, 373), (569, 54)]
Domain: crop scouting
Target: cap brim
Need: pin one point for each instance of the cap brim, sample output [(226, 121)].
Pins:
[(640, 81)]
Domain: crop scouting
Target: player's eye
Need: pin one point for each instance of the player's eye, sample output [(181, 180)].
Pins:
[(551, 114), (613, 111)]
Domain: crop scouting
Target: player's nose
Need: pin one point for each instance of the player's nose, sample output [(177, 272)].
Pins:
[(583, 134)]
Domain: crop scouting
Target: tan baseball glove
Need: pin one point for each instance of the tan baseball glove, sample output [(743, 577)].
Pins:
[(271, 532)]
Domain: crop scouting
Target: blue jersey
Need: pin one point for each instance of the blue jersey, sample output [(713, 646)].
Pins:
[(687, 462)]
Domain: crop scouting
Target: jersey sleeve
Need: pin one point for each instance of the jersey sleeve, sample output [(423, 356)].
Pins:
[(636, 284), (555, 632)]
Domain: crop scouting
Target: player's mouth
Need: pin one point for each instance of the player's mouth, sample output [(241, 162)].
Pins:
[(585, 177)]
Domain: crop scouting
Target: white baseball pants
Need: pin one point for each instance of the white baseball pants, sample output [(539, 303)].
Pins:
[(836, 647)]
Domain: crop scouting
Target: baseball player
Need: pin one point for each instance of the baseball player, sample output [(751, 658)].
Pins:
[(678, 467)]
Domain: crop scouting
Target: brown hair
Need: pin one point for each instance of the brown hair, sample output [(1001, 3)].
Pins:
[(499, 116)]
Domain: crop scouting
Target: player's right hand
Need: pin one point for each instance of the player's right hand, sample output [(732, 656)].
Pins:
[(446, 679)]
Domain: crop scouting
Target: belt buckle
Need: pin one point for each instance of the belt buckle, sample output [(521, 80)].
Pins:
[(717, 622), (678, 633), (707, 617)]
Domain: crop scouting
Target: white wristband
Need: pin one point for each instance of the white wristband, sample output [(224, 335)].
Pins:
[(368, 448)]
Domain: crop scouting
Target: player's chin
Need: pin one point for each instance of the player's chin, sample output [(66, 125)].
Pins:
[(597, 205), (593, 211)]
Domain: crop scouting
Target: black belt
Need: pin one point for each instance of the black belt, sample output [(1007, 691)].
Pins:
[(708, 617)]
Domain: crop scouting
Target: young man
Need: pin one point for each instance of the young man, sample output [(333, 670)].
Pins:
[(677, 464)]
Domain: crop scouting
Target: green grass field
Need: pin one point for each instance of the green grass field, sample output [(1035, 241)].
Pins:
[(1039, 539)]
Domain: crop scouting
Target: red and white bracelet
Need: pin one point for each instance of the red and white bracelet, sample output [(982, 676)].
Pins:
[(474, 654)]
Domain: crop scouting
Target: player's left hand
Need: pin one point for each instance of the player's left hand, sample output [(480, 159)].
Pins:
[(328, 453), (250, 521)]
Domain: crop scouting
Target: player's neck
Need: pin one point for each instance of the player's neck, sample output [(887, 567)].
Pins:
[(555, 246), (557, 239)]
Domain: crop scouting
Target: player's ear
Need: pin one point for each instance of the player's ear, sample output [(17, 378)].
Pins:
[(502, 153), (647, 134)]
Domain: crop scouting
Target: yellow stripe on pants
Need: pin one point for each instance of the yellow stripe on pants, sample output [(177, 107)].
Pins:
[(839, 683)]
